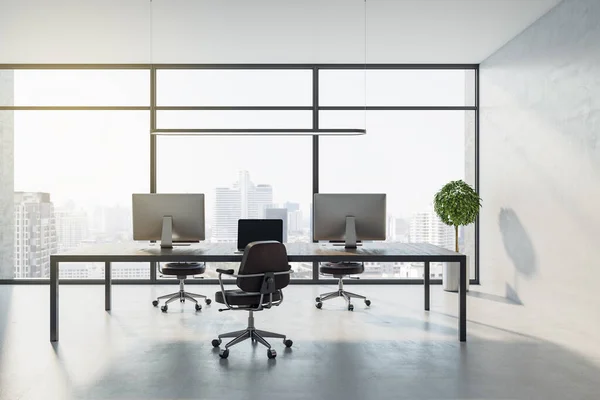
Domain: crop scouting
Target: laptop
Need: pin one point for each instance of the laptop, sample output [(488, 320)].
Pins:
[(254, 230)]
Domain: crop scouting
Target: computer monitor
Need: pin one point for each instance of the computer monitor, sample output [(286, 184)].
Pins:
[(254, 230), (349, 217), (168, 217), (279, 213)]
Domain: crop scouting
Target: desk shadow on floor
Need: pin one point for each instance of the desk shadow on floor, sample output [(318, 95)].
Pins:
[(394, 369)]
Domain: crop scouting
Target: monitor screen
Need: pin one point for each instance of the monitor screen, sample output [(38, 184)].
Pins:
[(254, 230), (331, 212), (186, 211)]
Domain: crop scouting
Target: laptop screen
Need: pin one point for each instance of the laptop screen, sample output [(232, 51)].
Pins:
[(254, 230)]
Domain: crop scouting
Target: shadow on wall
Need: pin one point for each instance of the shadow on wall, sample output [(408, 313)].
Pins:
[(512, 295), (510, 298), (517, 243), (519, 248)]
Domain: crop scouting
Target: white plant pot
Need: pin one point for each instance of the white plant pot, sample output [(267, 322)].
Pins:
[(450, 274)]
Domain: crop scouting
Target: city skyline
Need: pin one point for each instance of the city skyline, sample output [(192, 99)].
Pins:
[(244, 200), (54, 229), (406, 154)]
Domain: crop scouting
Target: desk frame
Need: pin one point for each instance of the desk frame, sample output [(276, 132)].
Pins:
[(301, 255)]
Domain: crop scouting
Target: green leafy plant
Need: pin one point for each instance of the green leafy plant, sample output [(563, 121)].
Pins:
[(457, 204)]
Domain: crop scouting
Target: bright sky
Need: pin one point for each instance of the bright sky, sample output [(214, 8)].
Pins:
[(101, 157)]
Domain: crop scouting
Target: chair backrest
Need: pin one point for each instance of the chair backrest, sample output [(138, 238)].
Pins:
[(261, 257)]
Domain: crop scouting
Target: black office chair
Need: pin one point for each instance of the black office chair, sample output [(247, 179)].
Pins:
[(264, 271), (182, 271), (339, 270)]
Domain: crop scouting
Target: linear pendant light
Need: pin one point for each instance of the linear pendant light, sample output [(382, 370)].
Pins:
[(266, 131), (260, 132)]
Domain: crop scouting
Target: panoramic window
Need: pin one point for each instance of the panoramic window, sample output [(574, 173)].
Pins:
[(82, 147), (408, 154), (75, 168), (242, 177)]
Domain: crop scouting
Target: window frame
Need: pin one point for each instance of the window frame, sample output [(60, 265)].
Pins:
[(315, 108)]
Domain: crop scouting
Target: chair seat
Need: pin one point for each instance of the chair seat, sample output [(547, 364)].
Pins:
[(176, 268), (241, 298), (342, 268)]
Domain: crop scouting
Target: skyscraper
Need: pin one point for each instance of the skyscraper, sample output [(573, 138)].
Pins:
[(291, 207), (295, 221), (242, 201), (260, 198), (390, 235), (71, 228), (35, 234), (279, 213), (111, 223), (426, 227)]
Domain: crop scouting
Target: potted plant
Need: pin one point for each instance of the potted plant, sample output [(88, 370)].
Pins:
[(457, 204)]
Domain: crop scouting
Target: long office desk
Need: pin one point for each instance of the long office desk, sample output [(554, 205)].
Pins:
[(225, 252)]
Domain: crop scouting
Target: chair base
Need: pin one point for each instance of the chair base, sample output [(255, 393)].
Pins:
[(348, 296), (256, 335), (182, 296)]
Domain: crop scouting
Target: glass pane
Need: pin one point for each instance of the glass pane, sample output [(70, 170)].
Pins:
[(233, 119), (231, 87), (74, 174), (396, 87), (81, 88), (301, 270), (96, 270), (241, 177), (409, 155)]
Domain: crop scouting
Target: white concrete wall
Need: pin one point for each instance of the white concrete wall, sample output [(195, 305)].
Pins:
[(540, 174), (259, 31), (7, 177)]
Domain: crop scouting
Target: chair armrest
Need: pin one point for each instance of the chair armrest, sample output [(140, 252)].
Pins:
[(263, 274), (226, 271)]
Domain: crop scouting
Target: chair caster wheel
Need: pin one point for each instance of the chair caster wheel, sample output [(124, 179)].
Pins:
[(216, 342), (350, 307), (224, 353), (319, 305), (367, 302), (318, 299), (155, 303), (207, 300), (198, 307), (288, 343), (164, 308), (271, 353), (182, 300)]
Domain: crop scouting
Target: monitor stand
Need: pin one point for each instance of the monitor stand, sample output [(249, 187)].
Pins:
[(166, 237), (350, 237)]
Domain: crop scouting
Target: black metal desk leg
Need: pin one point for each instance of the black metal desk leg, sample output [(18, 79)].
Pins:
[(53, 300), (462, 287), (107, 286), (426, 276)]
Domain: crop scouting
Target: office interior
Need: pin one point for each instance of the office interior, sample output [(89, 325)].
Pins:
[(259, 105)]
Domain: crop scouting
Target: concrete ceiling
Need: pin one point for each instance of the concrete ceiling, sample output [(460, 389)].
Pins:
[(453, 31), (260, 31)]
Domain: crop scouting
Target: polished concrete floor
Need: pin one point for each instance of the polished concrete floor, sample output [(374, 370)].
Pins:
[(392, 350)]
